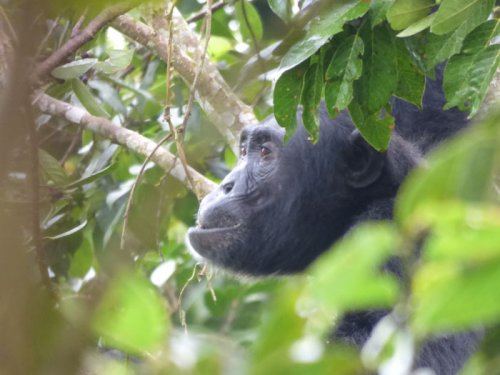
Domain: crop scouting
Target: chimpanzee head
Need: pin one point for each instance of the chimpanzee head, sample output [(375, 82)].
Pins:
[(283, 205)]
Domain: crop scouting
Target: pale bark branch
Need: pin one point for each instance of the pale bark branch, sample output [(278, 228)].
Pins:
[(125, 137), (221, 105)]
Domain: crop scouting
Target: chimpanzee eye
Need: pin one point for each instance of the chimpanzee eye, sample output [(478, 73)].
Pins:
[(264, 151), (243, 151)]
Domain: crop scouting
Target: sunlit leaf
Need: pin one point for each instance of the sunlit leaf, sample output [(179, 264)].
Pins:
[(452, 13), (404, 13), (468, 74), (131, 315), (118, 60), (462, 169), (322, 28), (418, 26), (349, 276)]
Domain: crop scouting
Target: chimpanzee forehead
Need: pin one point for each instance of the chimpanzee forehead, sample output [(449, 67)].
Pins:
[(269, 128)]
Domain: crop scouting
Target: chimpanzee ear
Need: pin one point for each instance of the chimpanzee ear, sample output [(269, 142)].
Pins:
[(364, 163)]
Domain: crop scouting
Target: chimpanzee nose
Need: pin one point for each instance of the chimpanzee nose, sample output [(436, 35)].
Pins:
[(227, 187)]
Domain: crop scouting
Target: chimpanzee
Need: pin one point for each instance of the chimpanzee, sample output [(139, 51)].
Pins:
[(283, 205)]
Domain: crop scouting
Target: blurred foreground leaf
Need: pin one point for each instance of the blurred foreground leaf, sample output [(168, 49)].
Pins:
[(132, 316)]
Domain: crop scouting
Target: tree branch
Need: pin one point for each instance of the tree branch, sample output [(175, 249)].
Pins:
[(60, 56), (125, 137), (223, 108)]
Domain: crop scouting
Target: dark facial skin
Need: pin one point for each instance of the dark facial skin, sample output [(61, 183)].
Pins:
[(283, 205)]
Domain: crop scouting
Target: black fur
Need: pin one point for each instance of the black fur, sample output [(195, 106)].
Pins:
[(282, 206)]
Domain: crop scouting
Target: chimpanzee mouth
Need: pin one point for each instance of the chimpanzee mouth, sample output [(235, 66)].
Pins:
[(203, 229), (206, 242)]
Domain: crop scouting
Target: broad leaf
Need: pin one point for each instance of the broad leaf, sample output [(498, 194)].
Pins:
[(132, 316), (451, 295), (311, 97), (51, 169), (404, 13), (453, 13), (462, 169), (344, 68), (378, 11), (117, 61), (375, 128), (87, 99), (378, 82), (468, 74), (74, 69), (411, 81), (250, 22), (356, 273), (418, 26), (286, 98), (323, 28), (282, 8)]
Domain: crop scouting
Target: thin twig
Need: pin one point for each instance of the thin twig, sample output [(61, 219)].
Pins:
[(179, 138), (134, 187), (202, 13), (168, 98), (69, 48), (69, 150), (182, 312)]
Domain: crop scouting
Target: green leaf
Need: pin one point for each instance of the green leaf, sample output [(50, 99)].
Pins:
[(355, 272), (74, 69), (87, 99), (458, 227), (418, 26), (282, 8), (406, 12), (82, 259), (68, 232), (250, 22), (218, 46), (411, 81), (131, 315), (93, 177), (461, 169), (378, 10), (468, 74), (378, 82), (345, 67), (286, 97), (453, 13), (118, 60), (323, 28), (375, 128), (311, 98), (51, 169), (449, 296)]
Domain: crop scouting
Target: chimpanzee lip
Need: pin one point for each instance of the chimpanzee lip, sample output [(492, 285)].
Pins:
[(201, 229)]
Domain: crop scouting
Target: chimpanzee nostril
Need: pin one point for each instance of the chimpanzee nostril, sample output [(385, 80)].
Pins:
[(227, 187)]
